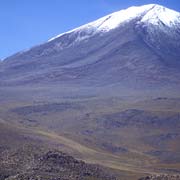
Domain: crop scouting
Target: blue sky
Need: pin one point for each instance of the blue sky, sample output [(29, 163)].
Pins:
[(25, 23)]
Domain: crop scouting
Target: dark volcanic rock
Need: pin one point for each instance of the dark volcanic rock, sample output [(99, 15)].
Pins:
[(140, 118), (30, 163), (161, 177)]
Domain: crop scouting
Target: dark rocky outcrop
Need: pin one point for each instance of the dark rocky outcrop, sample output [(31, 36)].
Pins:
[(161, 177), (34, 164)]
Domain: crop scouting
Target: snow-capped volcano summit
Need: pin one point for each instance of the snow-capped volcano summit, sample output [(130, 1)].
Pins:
[(111, 21), (161, 14), (139, 46), (151, 13)]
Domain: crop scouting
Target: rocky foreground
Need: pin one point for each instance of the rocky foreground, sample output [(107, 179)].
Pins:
[(162, 177), (31, 164)]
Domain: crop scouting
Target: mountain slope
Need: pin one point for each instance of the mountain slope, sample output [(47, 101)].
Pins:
[(135, 47)]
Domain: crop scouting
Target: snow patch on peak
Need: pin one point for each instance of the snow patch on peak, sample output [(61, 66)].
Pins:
[(111, 21), (161, 14), (151, 13)]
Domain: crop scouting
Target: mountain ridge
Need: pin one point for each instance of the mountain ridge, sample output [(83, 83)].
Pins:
[(120, 17), (128, 45), (128, 14)]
